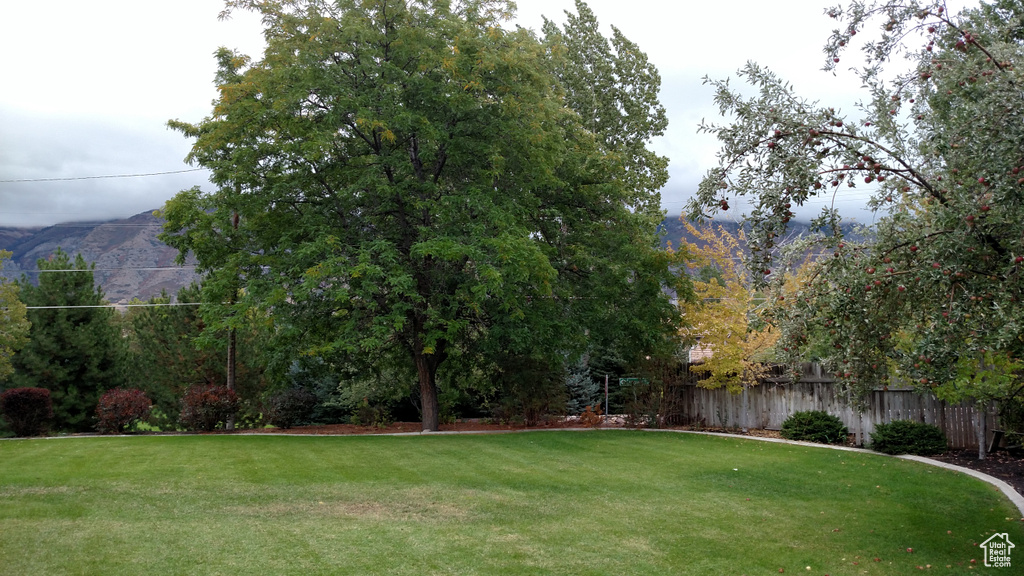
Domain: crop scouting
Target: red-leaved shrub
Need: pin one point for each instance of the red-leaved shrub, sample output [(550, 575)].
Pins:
[(207, 405), (27, 410), (120, 408)]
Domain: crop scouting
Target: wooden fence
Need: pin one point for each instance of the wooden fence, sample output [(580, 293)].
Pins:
[(767, 405)]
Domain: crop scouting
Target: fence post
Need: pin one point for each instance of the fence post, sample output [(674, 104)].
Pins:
[(746, 409), (605, 395), (979, 428)]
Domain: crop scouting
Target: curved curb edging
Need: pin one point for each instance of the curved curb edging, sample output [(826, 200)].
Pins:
[(1003, 487)]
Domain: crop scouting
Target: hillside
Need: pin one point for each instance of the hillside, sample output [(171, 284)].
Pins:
[(130, 261), (674, 231)]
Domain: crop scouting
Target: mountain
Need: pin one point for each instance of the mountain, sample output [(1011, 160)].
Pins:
[(130, 261)]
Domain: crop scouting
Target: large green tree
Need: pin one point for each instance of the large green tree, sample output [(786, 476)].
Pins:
[(613, 87), (14, 325), (405, 175), (73, 346), (937, 149)]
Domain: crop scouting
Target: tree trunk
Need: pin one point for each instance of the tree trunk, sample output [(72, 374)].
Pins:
[(427, 371), (230, 424), (979, 428)]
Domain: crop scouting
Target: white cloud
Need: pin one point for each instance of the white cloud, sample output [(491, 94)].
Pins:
[(88, 87)]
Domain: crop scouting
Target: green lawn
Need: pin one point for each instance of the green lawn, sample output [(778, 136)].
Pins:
[(600, 502)]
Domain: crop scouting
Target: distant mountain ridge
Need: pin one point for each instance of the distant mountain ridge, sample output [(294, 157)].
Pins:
[(130, 261), (674, 231)]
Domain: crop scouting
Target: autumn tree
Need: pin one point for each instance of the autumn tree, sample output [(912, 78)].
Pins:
[(935, 147), (726, 315), (73, 347), (14, 325), (404, 176)]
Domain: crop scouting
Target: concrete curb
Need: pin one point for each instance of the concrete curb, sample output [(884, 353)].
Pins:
[(1003, 487)]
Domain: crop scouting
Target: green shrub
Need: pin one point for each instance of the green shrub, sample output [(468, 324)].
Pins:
[(815, 426), (528, 390), (908, 437), (28, 411), (205, 406), (120, 408), (371, 414), (290, 407)]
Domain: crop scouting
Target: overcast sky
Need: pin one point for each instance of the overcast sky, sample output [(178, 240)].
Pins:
[(89, 86)]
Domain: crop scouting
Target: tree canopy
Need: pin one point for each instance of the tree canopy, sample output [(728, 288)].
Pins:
[(405, 175), (14, 325), (726, 315), (932, 295)]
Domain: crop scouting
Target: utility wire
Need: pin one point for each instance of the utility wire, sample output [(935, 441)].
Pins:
[(147, 268), (101, 225), (114, 306), (68, 179)]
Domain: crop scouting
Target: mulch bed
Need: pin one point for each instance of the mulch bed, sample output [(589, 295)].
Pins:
[(410, 428), (1001, 464)]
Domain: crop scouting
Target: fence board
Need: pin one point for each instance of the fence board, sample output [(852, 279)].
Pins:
[(767, 406)]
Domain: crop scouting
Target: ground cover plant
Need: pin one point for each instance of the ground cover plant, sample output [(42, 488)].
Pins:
[(593, 502)]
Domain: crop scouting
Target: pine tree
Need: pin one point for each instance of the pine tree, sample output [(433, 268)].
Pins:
[(72, 347)]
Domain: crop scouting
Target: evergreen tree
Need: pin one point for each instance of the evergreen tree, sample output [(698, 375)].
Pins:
[(72, 347), (581, 388)]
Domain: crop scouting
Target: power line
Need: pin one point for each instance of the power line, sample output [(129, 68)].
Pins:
[(114, 306), (68, 179), (146, 268), (102, 225)]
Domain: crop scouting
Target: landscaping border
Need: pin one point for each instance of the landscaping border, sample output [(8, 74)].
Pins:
[(1007, 490)]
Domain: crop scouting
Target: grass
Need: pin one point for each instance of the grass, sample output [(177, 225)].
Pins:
[(601, 502)]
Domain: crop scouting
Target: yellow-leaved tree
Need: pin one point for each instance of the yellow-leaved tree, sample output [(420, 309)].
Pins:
[(14, 325), (726, 317)]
